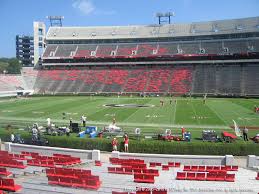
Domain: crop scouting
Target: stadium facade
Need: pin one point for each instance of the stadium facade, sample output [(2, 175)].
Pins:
[(216, 58)]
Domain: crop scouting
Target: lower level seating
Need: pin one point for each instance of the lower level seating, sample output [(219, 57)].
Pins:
[(9, 185), (231, 79)]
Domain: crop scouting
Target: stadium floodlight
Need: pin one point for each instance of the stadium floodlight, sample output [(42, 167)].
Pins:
[(55, 20), (165, 17), (159, 15)]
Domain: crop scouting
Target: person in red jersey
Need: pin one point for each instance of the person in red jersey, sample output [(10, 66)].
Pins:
[(126, 143), (114, 144)]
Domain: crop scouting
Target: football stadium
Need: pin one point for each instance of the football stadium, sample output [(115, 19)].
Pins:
[(132, 109)]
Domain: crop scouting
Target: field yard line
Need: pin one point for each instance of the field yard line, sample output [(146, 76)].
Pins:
[(136, 111), (71, 109), (237, 113), (195, 113), (174, 112), (220, 117)]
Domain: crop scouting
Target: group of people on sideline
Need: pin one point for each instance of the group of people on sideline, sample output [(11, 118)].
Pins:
[(125, 143)]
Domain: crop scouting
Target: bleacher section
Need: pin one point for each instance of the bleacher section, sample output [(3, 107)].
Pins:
[(149, 49), (11, 82), (157, 80), (180, 79)]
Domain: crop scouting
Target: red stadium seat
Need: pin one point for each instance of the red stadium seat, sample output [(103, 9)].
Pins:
[(111, 169), (171, 164), (8, 184), (220, 176), (191, 176), (230, 178), (209, 169), (165, 167), (187, 168), (4, 172), (78, 183), (257, 178), (98, 163), (194, 168), (211, 176), (64, 181), (53, 180), (234, 168), (201, 168), (200, 177), (181, 176)]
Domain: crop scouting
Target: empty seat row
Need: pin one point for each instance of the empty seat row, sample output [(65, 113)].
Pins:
[(210, 168), (97, 163), (8, 162), (144, 178), (9, 185), (129, 170), (126, 161), (202, 176), (42, 163), (88, 182), (68, 172), (4, 172)]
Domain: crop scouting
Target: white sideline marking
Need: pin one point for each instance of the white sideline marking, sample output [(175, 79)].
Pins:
[(110, 115), (36, 112), (7, 110), (154, 116), (72, 113)]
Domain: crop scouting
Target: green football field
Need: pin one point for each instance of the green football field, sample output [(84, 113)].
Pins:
[(191, 113)]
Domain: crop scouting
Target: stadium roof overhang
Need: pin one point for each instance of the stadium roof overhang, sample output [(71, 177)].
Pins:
[(244, 25), (156, 62)]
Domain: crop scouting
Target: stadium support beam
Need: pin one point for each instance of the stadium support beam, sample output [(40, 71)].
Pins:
[(55, 20), (165, 18)]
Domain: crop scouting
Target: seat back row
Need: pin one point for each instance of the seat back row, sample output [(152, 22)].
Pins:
[(129, 170), (144, 178), (202, 176), (4, 172), (210, 168), (126, 161), (9, 185), (68, 172), (87, 182), (9, 162)]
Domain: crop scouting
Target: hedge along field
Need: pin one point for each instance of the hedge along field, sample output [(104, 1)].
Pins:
[(159, 147), (149, 146)]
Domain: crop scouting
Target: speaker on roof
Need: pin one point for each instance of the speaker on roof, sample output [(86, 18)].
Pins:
[(154, 51), (113, 53), (202, 51), (179, 51), (134, 52), (225, 49), (93, 53)]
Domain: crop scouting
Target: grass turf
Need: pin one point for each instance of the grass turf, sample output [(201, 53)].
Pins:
[(216, 113)]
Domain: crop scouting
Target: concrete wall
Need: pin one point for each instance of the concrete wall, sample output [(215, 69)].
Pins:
[(252, 161), (44, 150), (184, 159)]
